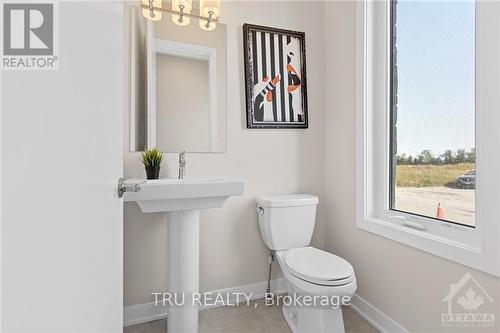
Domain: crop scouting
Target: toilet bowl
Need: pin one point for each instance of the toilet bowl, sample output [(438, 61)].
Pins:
[(317, 277), (317, 282)]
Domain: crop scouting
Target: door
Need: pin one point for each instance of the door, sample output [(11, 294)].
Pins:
[(61, 157)]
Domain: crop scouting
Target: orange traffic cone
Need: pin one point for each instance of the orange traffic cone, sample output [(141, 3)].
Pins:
[(440, 212)]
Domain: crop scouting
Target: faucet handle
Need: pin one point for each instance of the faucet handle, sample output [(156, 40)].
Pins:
[(182, 163), (182, 157)]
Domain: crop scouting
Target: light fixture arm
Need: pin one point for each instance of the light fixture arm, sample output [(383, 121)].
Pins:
[(181, 14), (151, 8), (209, 19)]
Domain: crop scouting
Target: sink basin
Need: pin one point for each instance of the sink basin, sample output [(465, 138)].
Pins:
[(163, 195), (181, 201)]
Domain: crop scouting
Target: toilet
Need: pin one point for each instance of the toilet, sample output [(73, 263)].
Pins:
[(286, 223)]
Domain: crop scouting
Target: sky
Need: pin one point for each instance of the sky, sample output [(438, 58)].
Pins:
[(435, 55)]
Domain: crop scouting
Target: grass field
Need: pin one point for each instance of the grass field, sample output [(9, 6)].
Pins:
[(430, 175)]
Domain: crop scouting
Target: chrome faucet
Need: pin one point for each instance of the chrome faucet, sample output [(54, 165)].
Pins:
[(182, 164)]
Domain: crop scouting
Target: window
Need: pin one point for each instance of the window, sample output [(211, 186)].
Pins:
[(428, 87), (432, 79)]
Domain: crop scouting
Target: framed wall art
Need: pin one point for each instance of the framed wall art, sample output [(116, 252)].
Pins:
[(275, 77)]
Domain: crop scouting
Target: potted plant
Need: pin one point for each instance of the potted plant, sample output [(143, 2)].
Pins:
[(152, 160)]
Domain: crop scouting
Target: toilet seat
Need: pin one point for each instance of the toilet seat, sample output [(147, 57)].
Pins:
[(318, 267)]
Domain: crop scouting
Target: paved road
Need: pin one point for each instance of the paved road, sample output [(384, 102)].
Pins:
[(458, 205)]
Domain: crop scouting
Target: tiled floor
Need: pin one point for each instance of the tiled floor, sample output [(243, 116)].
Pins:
[(256, 318)]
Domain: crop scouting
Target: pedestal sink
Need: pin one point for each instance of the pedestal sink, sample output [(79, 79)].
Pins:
[(181, 201)]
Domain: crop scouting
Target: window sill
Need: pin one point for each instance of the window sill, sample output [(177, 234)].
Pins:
[(461, 253), (479, 257), (422, 240)]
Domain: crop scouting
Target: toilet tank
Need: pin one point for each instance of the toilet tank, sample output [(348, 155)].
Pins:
[(287, 221)]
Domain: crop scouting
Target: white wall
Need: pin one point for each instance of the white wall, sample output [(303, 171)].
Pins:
[(272, 161), (61, 158), (404, 283)]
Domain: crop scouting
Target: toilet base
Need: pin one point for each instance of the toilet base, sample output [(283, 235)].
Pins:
[(303, 319), (315, 318)]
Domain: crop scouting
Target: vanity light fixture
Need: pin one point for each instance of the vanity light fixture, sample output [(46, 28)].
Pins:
[(181, 12), (151, 9), (182, 7)]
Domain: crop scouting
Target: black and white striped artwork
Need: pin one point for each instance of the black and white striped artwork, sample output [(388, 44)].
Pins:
[(275, 71)]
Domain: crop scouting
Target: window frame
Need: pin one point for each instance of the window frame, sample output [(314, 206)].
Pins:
[(475, 247)]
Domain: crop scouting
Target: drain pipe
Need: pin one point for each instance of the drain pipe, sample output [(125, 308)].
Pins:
[(270, 261)]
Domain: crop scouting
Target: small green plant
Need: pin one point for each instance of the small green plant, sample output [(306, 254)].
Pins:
[(151, 157)]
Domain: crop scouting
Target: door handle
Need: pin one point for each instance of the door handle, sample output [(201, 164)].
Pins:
[(123, 187)]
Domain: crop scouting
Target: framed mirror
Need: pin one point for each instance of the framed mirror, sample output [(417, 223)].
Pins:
[(178, 85)]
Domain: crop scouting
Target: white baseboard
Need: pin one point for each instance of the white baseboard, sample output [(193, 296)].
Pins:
[(141, 313), (374, 316)]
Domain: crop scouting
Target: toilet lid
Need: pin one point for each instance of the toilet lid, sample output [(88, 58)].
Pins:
[(319, 267)]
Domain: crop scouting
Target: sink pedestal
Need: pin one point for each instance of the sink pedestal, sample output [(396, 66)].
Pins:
[(181, 200), (183, 228)]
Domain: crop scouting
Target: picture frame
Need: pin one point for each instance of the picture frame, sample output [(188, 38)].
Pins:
[(275, 77)]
